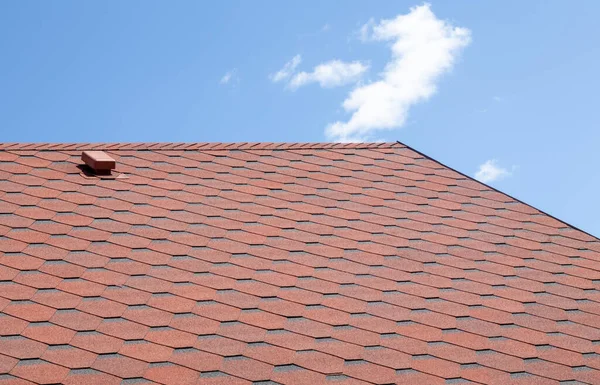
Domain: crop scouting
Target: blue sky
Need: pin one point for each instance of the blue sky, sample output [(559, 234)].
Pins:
[(519, 92)]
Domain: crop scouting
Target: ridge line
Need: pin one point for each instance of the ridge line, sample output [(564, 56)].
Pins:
[(498, 191), (190, 146)]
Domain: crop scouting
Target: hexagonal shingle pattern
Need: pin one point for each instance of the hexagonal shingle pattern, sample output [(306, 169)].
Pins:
[(284, 264)]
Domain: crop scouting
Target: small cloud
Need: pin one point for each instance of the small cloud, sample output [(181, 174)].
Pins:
[(498, 99), (490, 172), (316, 33), (229, 77), (364, 31), (423, 49), (333, 73), (288, 70)]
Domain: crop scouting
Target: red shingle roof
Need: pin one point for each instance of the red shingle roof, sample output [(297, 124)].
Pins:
[(284, 264)]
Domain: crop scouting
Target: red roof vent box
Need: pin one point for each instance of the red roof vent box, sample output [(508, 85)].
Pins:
[(99, 161)]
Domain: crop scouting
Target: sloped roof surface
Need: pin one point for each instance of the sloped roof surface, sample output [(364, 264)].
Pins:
[(284, 264)]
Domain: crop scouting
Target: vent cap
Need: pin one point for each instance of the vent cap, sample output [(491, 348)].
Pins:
[(99, 161)]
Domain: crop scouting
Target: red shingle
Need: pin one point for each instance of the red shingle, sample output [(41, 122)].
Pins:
[(40, 372)]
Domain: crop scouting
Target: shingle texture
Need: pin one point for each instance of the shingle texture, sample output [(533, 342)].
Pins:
[(284, 264)]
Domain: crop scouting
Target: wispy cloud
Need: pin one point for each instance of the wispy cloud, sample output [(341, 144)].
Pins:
[(230, 77), (288, 70), (423, 48), (490, 171), (315, 33), (330, 74), (363, 32), (333, 73)]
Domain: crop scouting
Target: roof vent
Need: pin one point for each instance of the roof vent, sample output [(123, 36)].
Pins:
[(99, 161)]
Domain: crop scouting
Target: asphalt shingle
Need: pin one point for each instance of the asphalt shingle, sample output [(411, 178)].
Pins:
[(265, 263)]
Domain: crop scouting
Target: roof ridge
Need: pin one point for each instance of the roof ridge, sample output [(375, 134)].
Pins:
[(499, 191), (204, 146)]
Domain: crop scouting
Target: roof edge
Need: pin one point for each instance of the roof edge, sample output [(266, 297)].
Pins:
[(499, 191), (200, 146)]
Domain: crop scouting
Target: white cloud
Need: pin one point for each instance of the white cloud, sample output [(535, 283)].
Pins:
[(229, 76), (423, 48), (326, 28), (288, 70), (330, 74), (490, 172), (364, 31)]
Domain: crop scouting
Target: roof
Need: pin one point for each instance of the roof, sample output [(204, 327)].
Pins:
[(284, 264)]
